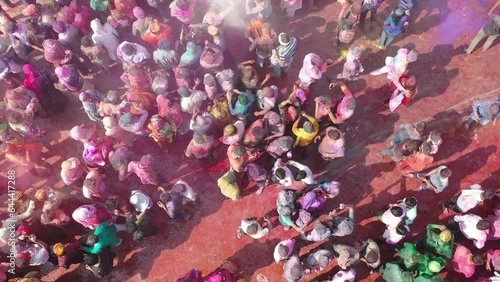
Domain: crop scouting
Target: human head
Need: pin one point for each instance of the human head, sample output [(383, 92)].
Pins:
[(284, 210), (352, 104), (182, 4), (86, 41), (483, 225), (252, 229), (231, 177), (31, 10), (412, 56), (259, 132), (372, 257), (426, 148), (333, 134), (22, 260), (138, 13), (239, 151), (494, 109), (59, 27), (183, 92), (300, 175), (280, 173), (58, 249), (478, 260), (10, 27), (445, 236), (435, 137), (90, 259), (209, 80), (434, 266), (284, 39), (213, 30), (410, 202), (138, 235), (401, 229), (198, 138), (355, 8), (355, 53), (92, 240), (396, 211), (164, 44), (283, 250), (110, 205), (242, 99), (89, 182), (412, 145), (398, 13), (128, 49), (421, 127), (445, 173), (487, 194), (229, 130), (308, 127), (14, 117), (275, 119)]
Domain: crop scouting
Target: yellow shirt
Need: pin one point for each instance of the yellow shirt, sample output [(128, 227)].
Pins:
[(232, 191), (304, 138)]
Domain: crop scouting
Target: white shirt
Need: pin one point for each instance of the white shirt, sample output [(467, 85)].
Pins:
[(467, 224), (469, 198), (392, 237), (309, 179), (189, 194), (390, 220), (343, 276), (194, 100), (238, 136), (261, 232), (289, 244), (140, 201), (288, 180)]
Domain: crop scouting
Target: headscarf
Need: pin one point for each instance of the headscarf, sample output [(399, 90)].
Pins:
[(164, 44), (139, 13), (63, 73), (97, 27), (59, 27), (191, 55), (33, 80)]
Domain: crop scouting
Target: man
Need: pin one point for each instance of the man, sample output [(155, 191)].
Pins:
[(191, 100), (468, 199), (233, 133), (410, 203), (334, 226), (262, 8), (332, 145), (144, 170), (256, 173), (202, 124), (318, 260), (474, 228), (483, 111), (255, 134), (280, 147), (394, 235), (346, 255), (345, 109), (372, 7), (305, 174), (490, 30), (243, 106), (418, 161), (200, 146), (264, 44), (410, 255), (394, 273), (282, 173), (275, 125), (141, 203), (439, 243), (393, 216), (34, 253), (393, 26), (370, 253), (104, 236), (228, 185), (352, 67), (165, 57), (266, 99), (435, 180), (100, 264), (238, 156), (293, 270), (283, 56), (249, 77), (409, 131), (306, 134), (401, 149), (252, 228), (284, 250), (132, 53)]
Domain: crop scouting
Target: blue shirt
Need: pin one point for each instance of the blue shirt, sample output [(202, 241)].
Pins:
[(240, 110)]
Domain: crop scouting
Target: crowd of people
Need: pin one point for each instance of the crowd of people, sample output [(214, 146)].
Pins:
[(181, 81)]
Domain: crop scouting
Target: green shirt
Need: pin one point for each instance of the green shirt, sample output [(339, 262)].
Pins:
[(394, 273), (107, 237), (423, 266), (409, 254), (427, 278), (99, 5), (434, 244)]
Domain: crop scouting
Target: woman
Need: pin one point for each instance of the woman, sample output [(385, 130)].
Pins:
[(184, 77), (52, 214), (25, 153), (211, 58), (106, 36), (83, 17), (393, 26), (312, 69), (118, 20), (398, 97), (68, 76), (96, 53), (42, 85), (144, 100), (191, 56), (169, 110), (157, 31), (220, 112), (21, 100), (183, 10), (71, 170), (95, 152), (24, 126), (126, 7), (161, 131), (90, 216), (141, 25), (132, 53), (55, 53), (136, 78)]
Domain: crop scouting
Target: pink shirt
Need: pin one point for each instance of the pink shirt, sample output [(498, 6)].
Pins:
[(494, 227), (147, 174), (460, 261)]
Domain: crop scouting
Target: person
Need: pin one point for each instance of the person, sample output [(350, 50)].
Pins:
[(183, 11), (304, 174), (282, 57), (345, 109), (280, 147), (106, 36), (370, 253), (285, 218), (284, 250), (34, 253), (282, 173), (401, 150), (346, 255), (418, 161), (344, 276), (410, 204), (465, 262), (191, 99), (439, 243), (372, 7), (318, 260), (334, 226), (352, 68), (100, 264), (191, 57), (312, 69), (15, 220), (252, 228), (211, 87), (55, 53), (68, 254), (434, 140), (436, 179), (266, 100), (202, 123), (262, 8), (141, 203), (293, 270), (211, 58), (94, 185), (332, 145), (200, 146), (22, 100), (248, 76), (228, 184), (97, 54), (483, 112), (493, 259), (67, 34), (91, 99), (156, 31), (394, 273), (143, 170), (161, 130), (134, 123), (165, 56), (308, 131), (409, 131), (243, 106), (410, 255), (132, 53), (393, 216), (69, 76), (347, 20), (398, 97), (275, 125), (257, 174), (264, 44), (393, 26), (233, 133), (104, 236), (255, 134), (393, 235), (71, 170), (491, 30), (119, 160), (474, 228), (468, 199)]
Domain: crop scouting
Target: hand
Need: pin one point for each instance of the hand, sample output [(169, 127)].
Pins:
[(407, 93), (116, 212), (327, 111), (268, 75), (331, 85), (303, 114), (251, 61)]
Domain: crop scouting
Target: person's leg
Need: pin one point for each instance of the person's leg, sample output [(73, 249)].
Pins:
[(469, 121), (397, 138), (286, 68), (381, 40), (489, 41), (387, 152), (388, 40), (276, 70), (479, 36), (260, 60), (362, 18)]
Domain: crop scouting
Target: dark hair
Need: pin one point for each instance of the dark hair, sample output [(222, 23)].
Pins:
[(412, 145), (401, 229), (372, 257), (90, 259), (351, 105), (110, 204), (131, 227), (334, 134), (445, 172), (182, 4), (21, 262), (300, 175), (410, 202), (421, 127), (426, 148), (483, 224), (252, 229), (90, 182), (128, 49), (259, 132), (165, 197), (435, 136), (488, 194), (280, 173), (396, 211), (10, 27), (138, 235), (308, 127), (282, 250), (285, 38), (478, 259), (86, 41), (92, 240)]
